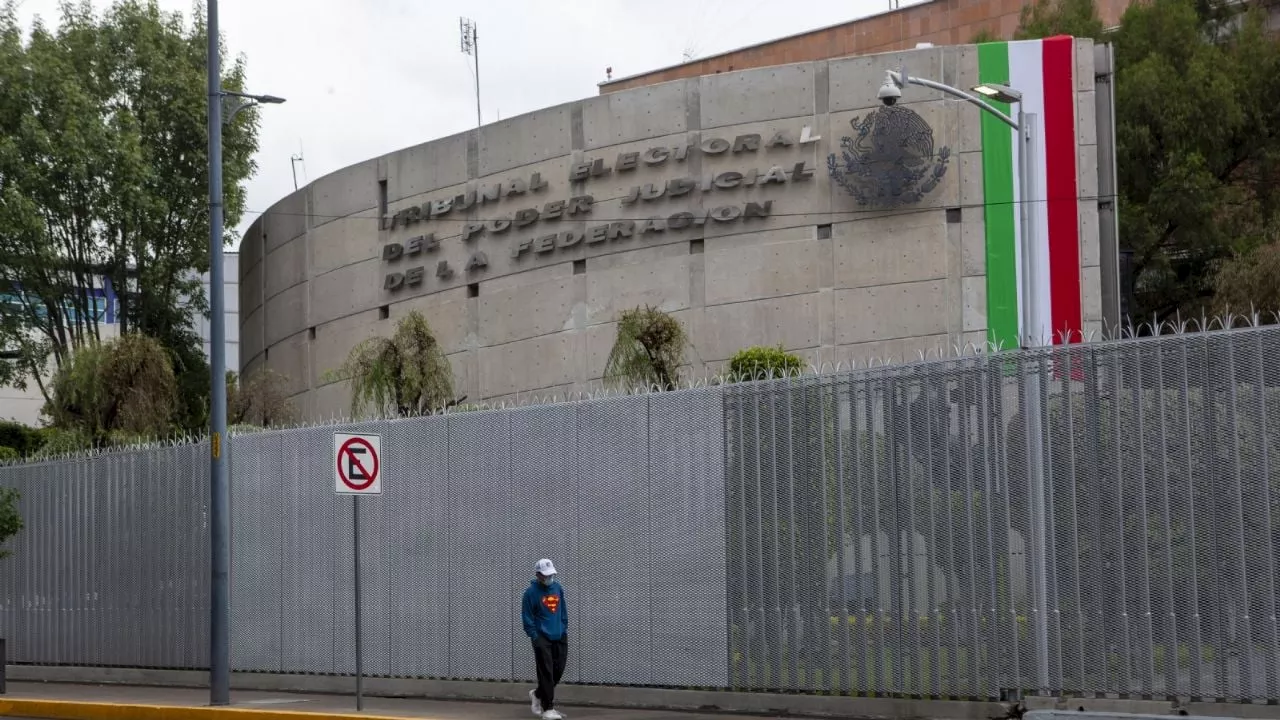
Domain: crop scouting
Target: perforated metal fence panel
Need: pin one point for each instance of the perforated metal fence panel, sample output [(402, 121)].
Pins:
[(1091, 519)]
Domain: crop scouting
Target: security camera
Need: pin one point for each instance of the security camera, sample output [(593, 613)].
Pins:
[(889, 93)]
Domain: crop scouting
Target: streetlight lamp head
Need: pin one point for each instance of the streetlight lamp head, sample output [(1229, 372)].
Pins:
[(998, 92), (269, 99)]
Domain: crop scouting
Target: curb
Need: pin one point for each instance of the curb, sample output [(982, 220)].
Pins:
[(64, 710)]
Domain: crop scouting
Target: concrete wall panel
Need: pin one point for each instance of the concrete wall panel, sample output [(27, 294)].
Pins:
[(251, 245), (334, 341), (529, 311), (652, 276), (286, 314), (856, 81), (528, 365), (625, 117), (347, 290), (346, 192), (524, 140), (343, 242), (291, 359), (1087, 212), (784, 91), (761, 265), (286, 266), (328, 402), (250, 289), (890, 250), (285, 220), (891, 311), (1092, 300), (790, 321), (1087, 118), (252, 335), (426, 167)]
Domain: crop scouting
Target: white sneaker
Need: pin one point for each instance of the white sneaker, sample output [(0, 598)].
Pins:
[(535, 703), (552, 715)]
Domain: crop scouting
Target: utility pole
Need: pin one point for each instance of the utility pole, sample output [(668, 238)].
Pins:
[(470, 46), (293, 163)]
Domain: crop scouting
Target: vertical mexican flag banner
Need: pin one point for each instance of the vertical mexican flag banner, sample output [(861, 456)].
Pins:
[(1044, 72)]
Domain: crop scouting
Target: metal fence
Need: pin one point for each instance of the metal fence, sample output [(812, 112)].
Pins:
[(869, 532)]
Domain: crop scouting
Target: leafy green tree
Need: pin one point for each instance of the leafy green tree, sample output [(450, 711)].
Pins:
[(259, 401), (1046, 18), (10, 518), (648, 350), (103, 178), (761, 362), (405, 374), (115, 392), (1198, 146)]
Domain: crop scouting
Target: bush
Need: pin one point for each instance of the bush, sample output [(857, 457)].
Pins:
[(7, 454), (63, 442), (21, 439), (759, 362)]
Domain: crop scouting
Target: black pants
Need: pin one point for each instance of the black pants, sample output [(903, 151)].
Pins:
[(550, 657)]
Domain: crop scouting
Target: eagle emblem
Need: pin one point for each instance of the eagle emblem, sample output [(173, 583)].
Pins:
[(891, 160)]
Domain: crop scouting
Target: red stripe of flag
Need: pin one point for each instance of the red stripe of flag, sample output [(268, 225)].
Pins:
[(1061, 192)]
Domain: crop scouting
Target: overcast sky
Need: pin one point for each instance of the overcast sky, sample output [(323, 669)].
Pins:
[(366, 77)]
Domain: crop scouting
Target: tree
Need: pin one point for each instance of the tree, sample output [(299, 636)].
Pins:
[(1198, 143), (760, 362), (103, 178), (1250, 281), (260, 401), (1046, 18), (10, 518), (405, 374), (116, 392), (648, 350)]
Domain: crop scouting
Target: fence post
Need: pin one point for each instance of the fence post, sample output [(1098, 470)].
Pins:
[(4, 666)]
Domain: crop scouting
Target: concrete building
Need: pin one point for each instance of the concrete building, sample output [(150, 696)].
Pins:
[(940, 22), (24, 406), (728, 200)]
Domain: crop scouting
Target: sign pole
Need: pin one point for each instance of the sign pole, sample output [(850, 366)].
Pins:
[(357, 471), (355, 526)]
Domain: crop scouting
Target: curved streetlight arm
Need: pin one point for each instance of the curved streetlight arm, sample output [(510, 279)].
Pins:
[(240, 101), (897, 80)]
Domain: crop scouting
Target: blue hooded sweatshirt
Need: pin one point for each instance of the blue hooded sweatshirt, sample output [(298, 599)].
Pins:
[(542, 611)]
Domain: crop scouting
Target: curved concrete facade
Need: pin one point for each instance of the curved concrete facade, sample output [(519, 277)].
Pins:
[(521, 241)]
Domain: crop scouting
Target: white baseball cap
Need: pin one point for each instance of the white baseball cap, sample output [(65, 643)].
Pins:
[(545, 567)]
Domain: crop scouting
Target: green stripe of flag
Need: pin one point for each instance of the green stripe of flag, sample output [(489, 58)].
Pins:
[(997, 189)]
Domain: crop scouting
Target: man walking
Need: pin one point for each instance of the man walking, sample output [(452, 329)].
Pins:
[(546, 624)]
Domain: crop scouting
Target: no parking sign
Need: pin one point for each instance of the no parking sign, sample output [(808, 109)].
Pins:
[(357, 464)]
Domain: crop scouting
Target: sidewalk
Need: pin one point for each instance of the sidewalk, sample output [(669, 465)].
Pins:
[(109, 702)]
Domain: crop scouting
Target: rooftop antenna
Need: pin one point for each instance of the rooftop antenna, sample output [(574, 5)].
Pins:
[(470, 46), (293, 164)]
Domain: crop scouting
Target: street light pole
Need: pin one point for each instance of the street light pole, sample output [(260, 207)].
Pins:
[(220, 492), (219, 488), (1031, 337)]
